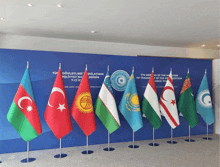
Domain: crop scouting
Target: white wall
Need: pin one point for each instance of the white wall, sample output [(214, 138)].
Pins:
[(64, 45), (216, 94)]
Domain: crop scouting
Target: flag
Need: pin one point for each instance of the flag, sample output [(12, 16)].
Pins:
[(186, 104), (168, 103), (82, 109), (150, 104), (23, 113), (204, 103), (105, 107), (57, 113), (129, 105)]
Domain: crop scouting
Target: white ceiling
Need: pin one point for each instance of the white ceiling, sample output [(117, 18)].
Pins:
[(178, 23)]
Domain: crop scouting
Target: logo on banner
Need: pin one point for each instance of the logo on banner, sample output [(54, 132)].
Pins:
[(119, 80), (205, 99), (84, 102)]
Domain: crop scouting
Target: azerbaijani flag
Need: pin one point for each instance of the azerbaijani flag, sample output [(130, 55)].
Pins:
[(106, 108), (23, 113)]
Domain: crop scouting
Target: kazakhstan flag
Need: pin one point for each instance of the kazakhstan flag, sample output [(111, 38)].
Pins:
[(204, 103), (129, 105)]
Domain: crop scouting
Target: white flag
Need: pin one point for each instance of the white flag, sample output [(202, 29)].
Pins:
[(168, 103)]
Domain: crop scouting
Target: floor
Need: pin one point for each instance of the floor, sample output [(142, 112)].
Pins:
[(201, 153)]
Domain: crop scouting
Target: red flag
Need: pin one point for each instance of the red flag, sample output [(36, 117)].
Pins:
[(82, 109), (57, 113)]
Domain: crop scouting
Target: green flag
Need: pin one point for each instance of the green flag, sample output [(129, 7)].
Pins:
[(186, 104), (106, 108)]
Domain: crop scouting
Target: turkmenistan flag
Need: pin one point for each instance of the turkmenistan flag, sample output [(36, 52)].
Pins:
[(105, 107), (150, 104), (23, 113), (186, 104)]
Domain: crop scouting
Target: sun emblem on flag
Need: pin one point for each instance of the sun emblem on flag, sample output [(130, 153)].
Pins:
[(132, 102), (84, 102)]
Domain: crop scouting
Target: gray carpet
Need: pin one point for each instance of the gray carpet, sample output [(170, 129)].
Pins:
[(198, 154)]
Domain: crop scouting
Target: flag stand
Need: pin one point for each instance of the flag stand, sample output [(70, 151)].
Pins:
[(171, 141), (207, 138), (133, 146), (87, 151), (189, 140), (26, 160), (60, 155), (109, 148), (153, 144)]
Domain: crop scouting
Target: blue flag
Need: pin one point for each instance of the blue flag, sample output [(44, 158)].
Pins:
[(204, 103), (129, 105)]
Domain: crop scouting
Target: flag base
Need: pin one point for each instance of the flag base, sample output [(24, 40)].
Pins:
[(172, 142), (108, 149), (205, 138), (87, 152), (153, 144), (133, 146), (58, 156), (190, 140), (29, 160)]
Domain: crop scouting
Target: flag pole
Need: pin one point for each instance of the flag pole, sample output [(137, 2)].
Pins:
[(153, 144), (171, 141), (27, 151), (189, 140), (87, 151), (60, 148), (207, 129), (133, 145), (87, 144)]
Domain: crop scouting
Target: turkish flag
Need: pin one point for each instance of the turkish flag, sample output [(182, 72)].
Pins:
[(82, 108), (57, 113)]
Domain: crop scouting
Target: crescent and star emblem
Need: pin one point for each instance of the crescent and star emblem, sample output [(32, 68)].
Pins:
[(61, 106), (29, 108), (168, 88)]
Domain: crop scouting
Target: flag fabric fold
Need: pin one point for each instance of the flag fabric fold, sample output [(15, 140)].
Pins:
[(23, 113), (204, 103), (105, 107), (150, 104), (186, 104), (129, 105), (82, 108), (57, 113), (168, 103)]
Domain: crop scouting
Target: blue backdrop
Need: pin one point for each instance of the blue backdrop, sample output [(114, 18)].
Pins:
[(43, 68)]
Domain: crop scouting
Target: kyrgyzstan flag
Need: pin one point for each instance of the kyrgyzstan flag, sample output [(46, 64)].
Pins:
[(57, 113), (82, 109)]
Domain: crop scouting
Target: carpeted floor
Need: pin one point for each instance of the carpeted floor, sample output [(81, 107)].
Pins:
[(183, 154)]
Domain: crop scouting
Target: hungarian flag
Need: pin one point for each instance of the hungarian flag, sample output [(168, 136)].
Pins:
[(186, 104), (23, 113), (150, 104), (168, 103), (106, 108), (82, 109), (57, 113)]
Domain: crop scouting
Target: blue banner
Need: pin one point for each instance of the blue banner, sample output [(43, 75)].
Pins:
[(43, 67)]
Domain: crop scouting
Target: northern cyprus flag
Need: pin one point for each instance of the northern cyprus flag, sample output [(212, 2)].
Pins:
[(150, 104), (105, 107), (168, 103)]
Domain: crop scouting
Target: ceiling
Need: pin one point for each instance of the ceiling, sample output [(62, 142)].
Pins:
[(188, 23)]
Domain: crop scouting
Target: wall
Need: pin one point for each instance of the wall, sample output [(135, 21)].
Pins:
[(216, 94), (64, 45)]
